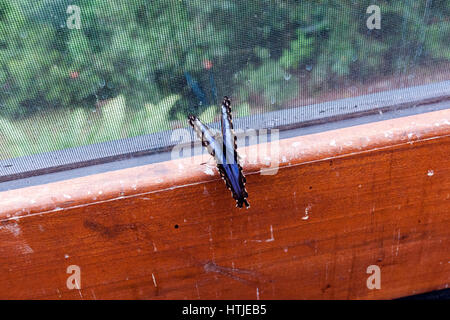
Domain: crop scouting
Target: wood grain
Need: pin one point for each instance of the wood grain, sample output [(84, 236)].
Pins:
[(376, 194)]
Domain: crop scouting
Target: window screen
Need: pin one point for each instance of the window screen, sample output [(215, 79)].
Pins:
[(77, 73)]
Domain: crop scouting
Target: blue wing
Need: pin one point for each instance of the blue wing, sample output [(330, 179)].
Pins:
[(229, 168), (224, 151), (207, 137)]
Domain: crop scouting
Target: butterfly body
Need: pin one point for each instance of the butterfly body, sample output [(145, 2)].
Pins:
[(224, 150)]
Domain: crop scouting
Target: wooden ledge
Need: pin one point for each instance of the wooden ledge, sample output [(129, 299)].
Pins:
[(375, 194), (165, 176)]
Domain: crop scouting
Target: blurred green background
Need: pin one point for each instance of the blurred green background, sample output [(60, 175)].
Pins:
[(137, 67)]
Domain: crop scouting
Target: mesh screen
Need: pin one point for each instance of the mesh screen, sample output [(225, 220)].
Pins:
[(75, 73)]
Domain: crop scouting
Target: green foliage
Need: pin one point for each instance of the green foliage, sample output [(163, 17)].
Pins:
[(269, 81), (158, 114), (81, 127), (135, 54), (212, 112), (299, 52), (241, 110), (437, 38)]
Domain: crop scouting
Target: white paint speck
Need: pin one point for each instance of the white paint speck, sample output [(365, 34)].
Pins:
[(26, 249), (67, 196), (22, 247), (257, 293), (272, 238), (66, 256), (307, 210), (208, 171), (271, 235), (13, 228), (430, 173), (154, 280), (333, 143)]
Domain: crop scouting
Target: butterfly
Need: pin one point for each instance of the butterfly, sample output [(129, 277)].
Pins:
[(223, 148)]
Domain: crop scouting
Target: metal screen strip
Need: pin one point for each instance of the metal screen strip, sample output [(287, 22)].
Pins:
[(285, 119)]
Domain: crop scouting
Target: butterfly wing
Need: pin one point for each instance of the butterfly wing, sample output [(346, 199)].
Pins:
[(229, 167), (207, 138), (230, 171)]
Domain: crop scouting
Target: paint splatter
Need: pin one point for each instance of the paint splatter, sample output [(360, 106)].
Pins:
[(307, 210)]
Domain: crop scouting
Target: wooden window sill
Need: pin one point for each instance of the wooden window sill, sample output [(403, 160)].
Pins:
[(342, 200)]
